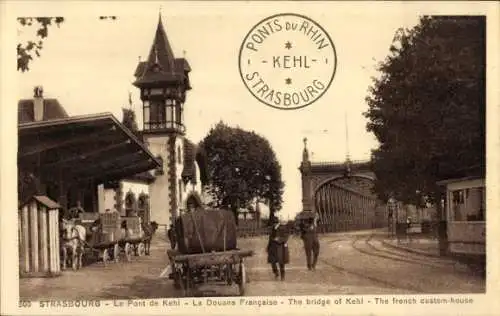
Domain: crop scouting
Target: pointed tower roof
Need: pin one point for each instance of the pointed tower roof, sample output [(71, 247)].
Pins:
[(161, 65), (161, 51)]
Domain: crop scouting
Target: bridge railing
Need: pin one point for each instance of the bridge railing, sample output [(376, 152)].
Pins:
[(337, 163)]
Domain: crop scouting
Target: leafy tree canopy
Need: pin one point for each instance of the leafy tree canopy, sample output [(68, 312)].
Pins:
[(242, 166), (26, 50), (129, 120), (427, 108)]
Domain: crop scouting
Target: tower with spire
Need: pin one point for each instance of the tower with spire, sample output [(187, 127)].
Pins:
[(163, 81)]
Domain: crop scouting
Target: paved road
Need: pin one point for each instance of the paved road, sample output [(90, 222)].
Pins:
[(350, 263)]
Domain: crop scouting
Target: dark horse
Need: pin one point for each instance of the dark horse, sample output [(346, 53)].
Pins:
[(149, 230)]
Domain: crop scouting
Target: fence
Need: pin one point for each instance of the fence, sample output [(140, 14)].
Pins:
[(424, 229), (243, 232)]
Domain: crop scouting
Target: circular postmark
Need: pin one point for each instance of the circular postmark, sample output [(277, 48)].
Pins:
[(287, 61)]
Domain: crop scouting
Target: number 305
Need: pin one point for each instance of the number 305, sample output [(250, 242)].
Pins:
[(24, 304)]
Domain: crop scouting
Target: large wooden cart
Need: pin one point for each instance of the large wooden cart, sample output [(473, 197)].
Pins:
[(112, 250), (214, 268), (132, 243), (100, 244), (110, 240)]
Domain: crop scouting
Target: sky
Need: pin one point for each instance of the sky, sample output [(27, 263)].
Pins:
[(88, 65)]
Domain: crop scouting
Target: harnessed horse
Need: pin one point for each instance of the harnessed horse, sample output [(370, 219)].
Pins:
[(149, 229), (73, 238)]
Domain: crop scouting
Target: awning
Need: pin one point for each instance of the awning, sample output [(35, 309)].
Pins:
[(450, 181), (84, 147)]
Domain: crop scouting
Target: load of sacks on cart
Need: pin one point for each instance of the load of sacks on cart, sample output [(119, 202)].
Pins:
[(105, 237)]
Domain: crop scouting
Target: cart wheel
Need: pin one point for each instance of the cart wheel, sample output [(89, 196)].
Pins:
[(187, 289), (177, 280), (116, 253), (229, 273), (141, 250), (105, 256), (128, 252), (242, 279), (187, 284)]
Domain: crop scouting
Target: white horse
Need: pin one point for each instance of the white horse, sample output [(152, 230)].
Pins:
[(73, 239)]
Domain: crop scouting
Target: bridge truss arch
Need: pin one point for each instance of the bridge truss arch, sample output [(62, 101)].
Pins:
[(346, 203), (342, 195)]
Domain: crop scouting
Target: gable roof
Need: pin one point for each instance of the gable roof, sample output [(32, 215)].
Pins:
[(85, 146), (52, 110)]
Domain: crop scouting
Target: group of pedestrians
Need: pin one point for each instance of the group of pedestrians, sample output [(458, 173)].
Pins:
[(278, 254)]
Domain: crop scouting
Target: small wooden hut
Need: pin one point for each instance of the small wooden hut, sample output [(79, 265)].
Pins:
[(39, 237)]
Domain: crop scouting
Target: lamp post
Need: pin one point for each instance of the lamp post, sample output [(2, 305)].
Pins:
[(390, 215)]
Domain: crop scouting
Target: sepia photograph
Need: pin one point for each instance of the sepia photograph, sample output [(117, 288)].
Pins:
[(251, 154)]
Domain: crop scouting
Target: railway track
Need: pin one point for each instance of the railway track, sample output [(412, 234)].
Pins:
[(370, 247), (406, 257), (376, 280), (389, 254)]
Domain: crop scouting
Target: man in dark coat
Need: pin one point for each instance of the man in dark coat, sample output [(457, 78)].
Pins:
[(277, 249), (172, 237), (309, 235)]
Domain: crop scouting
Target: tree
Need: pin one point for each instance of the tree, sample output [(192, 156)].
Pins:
[(427, 109), (242, 166), (26, 50), (129, 120)]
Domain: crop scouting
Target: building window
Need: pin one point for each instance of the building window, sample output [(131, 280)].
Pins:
[(468, 204), (180, 191), (178, 114), (146, 109), (130, 204), (179, 154), (157, 115)]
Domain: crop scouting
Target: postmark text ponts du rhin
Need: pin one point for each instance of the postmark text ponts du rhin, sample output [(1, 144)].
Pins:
[(287, 61)]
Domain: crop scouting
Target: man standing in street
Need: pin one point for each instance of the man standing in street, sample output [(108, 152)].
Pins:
[(277, 248), (172, 237), (309, 236)]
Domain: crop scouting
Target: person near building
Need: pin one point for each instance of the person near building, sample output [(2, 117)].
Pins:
[(193, 203), (74, 212), (277, 248), (172, 237), (408, 229)]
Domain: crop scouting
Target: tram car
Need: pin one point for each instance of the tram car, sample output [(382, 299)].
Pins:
[(465, 206)]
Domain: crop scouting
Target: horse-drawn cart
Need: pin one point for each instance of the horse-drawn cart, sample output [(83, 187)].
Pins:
[(134, 239), (215, 268), (103, 236), (206, 251), (86, 237), (111, 235)]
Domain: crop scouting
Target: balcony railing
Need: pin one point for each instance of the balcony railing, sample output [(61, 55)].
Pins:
[(161, 126)]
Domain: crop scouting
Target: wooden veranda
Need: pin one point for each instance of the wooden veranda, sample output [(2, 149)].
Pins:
[(66, 159)]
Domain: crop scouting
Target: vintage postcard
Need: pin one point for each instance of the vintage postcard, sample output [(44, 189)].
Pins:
[(271, 157)]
